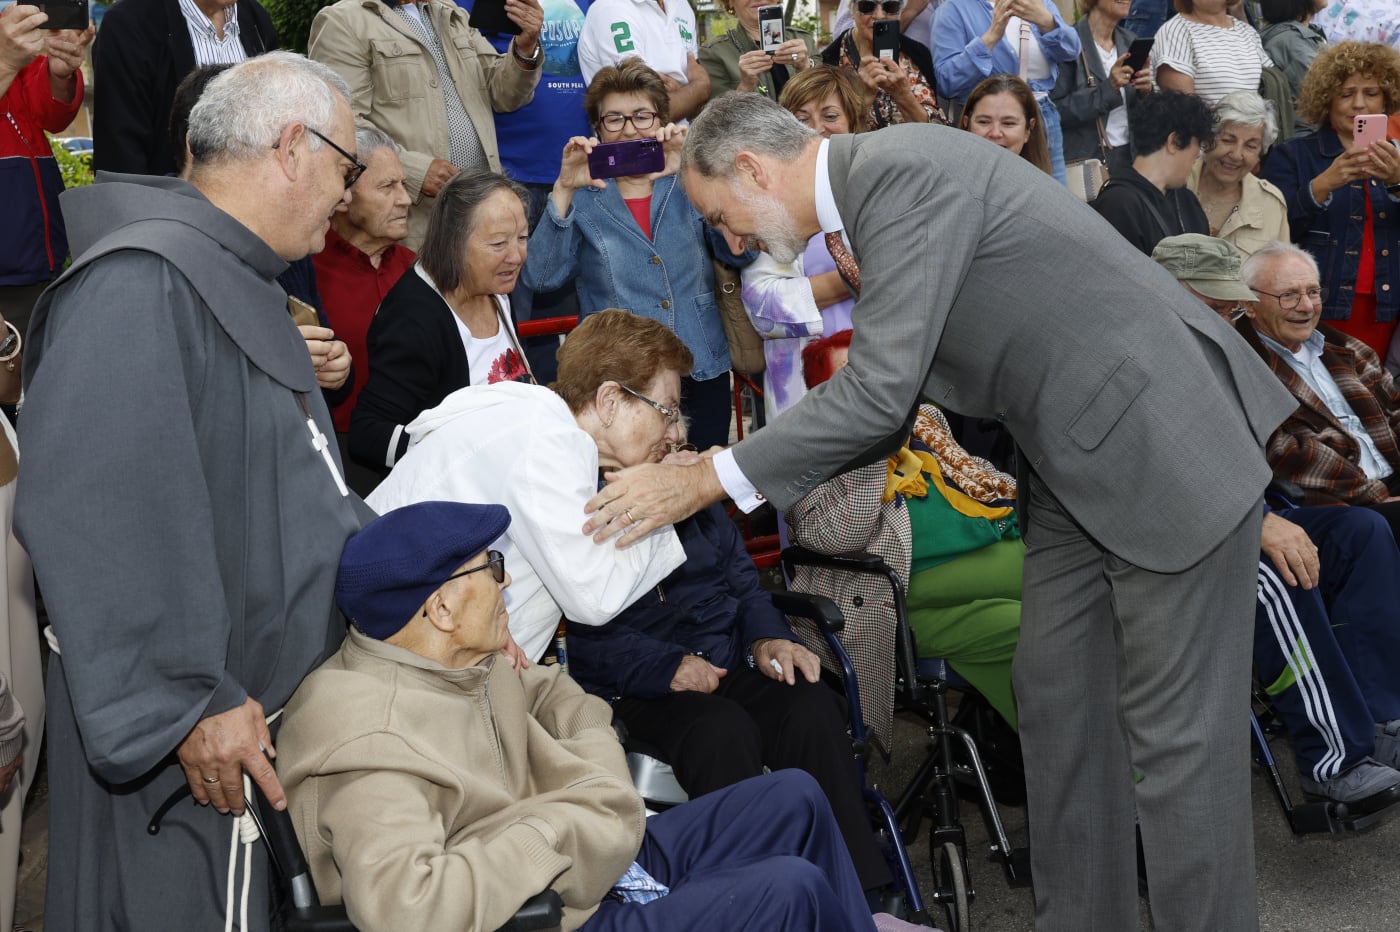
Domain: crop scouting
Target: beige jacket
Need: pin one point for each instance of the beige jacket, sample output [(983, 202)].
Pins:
[(1262, 216), (435, 799), (393, 83)]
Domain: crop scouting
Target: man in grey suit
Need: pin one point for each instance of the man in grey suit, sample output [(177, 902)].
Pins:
[(988, 288)]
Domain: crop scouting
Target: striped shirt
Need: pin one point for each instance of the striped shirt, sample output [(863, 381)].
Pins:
[(1219, 60), (209, 49)]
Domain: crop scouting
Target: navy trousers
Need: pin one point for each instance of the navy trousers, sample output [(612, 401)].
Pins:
[(1328, 656), (761, 854)]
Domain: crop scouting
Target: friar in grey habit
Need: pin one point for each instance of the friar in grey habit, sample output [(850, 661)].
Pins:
[(184, 511)]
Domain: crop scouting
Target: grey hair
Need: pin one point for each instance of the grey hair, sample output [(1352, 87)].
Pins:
[(1253, 269), (244, 110), (1248, 109), (369, 140), (450, 225), (739, 122)]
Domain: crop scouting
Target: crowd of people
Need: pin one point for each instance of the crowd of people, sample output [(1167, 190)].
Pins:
[(297, 493)]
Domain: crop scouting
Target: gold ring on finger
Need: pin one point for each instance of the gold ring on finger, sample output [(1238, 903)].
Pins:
[(211, 780)]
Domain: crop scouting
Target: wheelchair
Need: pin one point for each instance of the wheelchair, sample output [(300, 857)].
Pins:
[(953, 759), (657, 785), (1310, 817)]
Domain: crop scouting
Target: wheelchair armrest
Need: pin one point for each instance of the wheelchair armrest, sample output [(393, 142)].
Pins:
[(826, 613), (316, 919), (856, 560), (544, 910)]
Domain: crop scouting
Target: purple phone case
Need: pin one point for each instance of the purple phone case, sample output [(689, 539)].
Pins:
[(629, 157)]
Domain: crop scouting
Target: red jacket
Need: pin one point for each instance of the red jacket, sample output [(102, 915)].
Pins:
[(33, 243)]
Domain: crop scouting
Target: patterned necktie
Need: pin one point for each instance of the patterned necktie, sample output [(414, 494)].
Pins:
[(845, 262)]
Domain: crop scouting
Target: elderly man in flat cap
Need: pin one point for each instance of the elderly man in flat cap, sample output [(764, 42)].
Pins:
[(1327, 620), (435, 787)]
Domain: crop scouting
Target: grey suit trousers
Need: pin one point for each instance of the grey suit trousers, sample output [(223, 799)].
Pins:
[(1133, 694)]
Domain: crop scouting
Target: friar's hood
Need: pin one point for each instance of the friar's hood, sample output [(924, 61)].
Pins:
[(234, 271)]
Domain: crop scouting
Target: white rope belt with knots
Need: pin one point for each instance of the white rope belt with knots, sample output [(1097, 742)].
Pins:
[(245, 828)]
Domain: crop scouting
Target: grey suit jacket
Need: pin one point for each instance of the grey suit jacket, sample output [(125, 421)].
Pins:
[(989, 289)]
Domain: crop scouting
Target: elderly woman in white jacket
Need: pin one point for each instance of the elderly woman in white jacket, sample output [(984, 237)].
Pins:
[(538, 451)]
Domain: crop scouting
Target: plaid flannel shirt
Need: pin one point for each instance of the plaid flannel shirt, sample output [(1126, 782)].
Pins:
[(1312, 449)]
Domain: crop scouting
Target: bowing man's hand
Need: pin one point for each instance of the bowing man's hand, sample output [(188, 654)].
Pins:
[(639, 499), (779, 660)]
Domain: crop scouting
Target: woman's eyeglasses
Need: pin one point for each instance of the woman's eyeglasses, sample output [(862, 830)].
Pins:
[(641, 119), (670, 414), (495, 562), (888, 7)]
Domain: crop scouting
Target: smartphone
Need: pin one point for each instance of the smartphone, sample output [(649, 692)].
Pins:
[(1367, 128), (770, 27), (1137, 54), (629, 157), (885, 41), (65, 14), (489, 16)]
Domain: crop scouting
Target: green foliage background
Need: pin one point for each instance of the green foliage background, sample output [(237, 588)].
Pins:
[(75, 169), (293, 20)]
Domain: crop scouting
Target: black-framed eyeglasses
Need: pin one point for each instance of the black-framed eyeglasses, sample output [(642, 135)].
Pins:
[(888, 7), (495, 562), (641, 119), (356, 169), (672, 415), (1290, 300)]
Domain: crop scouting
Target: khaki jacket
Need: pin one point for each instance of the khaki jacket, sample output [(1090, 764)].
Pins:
[(1262, 216), (434, 799), (394, 83)]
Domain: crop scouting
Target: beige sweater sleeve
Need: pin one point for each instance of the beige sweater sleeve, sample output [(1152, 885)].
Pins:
[(400, 870), (11, 724)]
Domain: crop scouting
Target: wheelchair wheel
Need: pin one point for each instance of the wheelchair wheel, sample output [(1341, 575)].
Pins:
[(952, 887)]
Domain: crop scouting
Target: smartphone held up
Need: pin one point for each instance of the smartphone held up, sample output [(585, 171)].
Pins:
[(885, 40), (770, 27), (626, 158), (65, 14)]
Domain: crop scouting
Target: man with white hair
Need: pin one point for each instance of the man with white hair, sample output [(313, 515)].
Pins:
[(363, 259), (183, 506), (1341, 446), (1327, 620)]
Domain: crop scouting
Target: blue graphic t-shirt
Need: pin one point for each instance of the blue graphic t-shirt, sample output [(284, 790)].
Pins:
[(532, 138)]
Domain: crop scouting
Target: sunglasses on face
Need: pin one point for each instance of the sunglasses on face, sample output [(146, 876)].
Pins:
[(888, 7)]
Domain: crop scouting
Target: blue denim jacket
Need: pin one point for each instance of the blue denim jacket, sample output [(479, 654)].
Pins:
[(1332, 232), (961, 61), (668, 278)]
